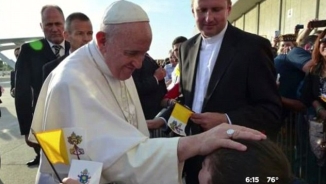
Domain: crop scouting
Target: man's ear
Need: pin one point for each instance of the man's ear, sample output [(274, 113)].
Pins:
[(101, 40), (229, 10), (66, 35), (41, 25)]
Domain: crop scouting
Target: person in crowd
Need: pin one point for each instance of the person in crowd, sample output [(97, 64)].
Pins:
[(12, 74), (275, 45), (78, 32), (173, 86), (287, 43), (29, 69), (225, 81), (173, 89), (175, 76), (169, 67), (150, 85), (292, 68), (151, 88), (174, 54), (314, 87), (110, 111), (313, 95)]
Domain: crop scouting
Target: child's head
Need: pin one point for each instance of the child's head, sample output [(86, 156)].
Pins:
[(262, 159)]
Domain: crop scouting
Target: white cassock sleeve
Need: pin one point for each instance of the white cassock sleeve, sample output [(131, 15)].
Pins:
[(153, 161)]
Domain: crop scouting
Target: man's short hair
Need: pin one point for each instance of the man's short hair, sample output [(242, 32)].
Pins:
[(192, 3), (259, 157), (308, 40), (51, 6), (74, 16), (17, 48), (179, 39)]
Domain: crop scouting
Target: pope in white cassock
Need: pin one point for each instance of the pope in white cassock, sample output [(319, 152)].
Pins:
[(93, 89)]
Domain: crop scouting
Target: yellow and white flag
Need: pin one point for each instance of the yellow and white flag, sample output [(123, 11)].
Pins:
[(62, 145), (179, 119)]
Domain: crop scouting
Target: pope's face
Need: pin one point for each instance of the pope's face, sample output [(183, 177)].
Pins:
[(204, 175), (211, 16), (125, 49)]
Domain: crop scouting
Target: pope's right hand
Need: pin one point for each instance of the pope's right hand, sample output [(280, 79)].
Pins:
[(225, 135), (221, 136)]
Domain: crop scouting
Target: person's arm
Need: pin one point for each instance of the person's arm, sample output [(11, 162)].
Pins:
[(215, 138), (23, 93), (162, 153), (293, 105), (307, 91), (45, 71), (305, 33), (307, 66), (320, 109), (180, 149), (145, 81), (264, 99), (12, 80)]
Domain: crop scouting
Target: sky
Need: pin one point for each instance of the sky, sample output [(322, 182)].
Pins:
[(168, 19)]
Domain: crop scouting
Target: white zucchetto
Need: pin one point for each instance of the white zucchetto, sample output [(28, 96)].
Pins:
[(122, 11)]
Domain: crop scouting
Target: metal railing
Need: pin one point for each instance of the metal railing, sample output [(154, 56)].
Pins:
[(293, 139)]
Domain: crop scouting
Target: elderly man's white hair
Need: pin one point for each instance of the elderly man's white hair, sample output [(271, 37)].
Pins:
[(122, 11)]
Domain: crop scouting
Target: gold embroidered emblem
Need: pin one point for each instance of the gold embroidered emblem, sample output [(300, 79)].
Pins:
[(75, 140)]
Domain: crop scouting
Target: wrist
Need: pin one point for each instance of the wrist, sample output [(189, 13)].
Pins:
[(170, 102), (188, 147)]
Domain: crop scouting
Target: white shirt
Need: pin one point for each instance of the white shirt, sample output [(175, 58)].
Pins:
[(62, 50), (210, 48)]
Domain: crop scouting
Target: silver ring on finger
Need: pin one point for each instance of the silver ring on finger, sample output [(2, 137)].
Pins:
[(230, 132)]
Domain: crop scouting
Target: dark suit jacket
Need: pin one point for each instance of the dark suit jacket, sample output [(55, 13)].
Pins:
[(242, 83), (29, 79), (150, 93), (48, 67)]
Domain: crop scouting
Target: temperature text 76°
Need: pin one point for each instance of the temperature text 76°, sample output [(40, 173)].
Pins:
[(272, 179)]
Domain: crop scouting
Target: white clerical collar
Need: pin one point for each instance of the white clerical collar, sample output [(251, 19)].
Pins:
[(98, 58), (62, 44), (215, 38)]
